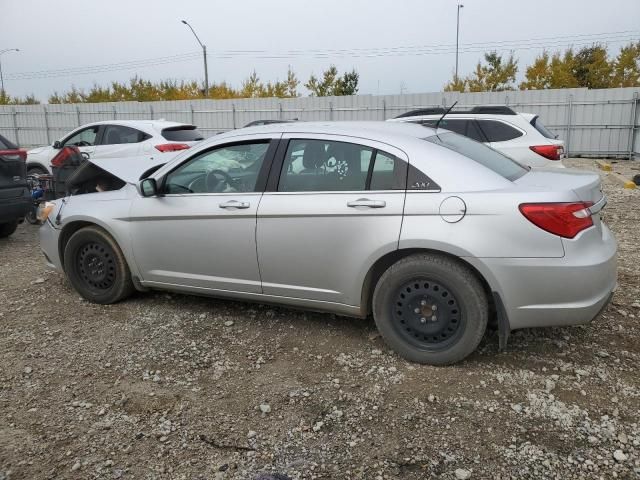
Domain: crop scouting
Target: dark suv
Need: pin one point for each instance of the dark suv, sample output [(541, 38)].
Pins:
[(15, 197)]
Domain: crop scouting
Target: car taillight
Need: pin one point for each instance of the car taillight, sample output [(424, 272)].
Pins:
[(172, 147), (65, 154), (563, 219), (22, 154), (550, 152)]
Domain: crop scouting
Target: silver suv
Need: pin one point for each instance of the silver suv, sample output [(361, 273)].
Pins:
[(435, 234)]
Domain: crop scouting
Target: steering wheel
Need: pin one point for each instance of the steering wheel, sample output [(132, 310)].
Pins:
[(215, 178), (82, 143)]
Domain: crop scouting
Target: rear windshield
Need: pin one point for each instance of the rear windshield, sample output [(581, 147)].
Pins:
[(185, 133), (6, 144), (479, 152), (538, 125)]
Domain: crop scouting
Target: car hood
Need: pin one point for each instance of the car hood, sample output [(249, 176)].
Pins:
[(37, 150), (130, 169)]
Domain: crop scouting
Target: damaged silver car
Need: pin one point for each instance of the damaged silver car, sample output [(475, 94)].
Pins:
[(434, 234)]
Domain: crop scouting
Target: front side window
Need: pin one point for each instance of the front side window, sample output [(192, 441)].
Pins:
[(496, 131), (478, 152), (118, 134), (84, 138), (325, 166), (225, 169)]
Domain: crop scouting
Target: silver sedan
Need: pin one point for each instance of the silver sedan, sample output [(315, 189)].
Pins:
[(433, 233)]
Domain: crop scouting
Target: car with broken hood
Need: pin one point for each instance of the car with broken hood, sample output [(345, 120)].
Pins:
[(432, 233)]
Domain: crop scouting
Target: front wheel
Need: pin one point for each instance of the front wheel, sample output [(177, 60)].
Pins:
[(430, 309), (96, 267), (7, 229)]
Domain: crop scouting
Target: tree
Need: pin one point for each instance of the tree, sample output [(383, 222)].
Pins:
[(592, 68), (626, 67), (495, 75), (6, 99), (332, 84)]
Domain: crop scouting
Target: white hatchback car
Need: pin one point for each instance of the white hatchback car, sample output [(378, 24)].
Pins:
[(118, 139), (521, 136)]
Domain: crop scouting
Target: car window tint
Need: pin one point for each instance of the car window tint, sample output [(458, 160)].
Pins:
[(187, 133), (473, 131), (3, 145), (388, 173), (118, 134), (479, 152), (322, 165), (539, 126), (84, 138), (226, 169), (496, 131)]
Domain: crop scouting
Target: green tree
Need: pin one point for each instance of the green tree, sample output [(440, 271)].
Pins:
[(332, 84), (592, 68), (495, 75), (626, 67), (6, 99)]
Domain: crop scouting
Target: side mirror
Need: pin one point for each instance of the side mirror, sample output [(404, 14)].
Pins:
[(148, 187), (57, 145)]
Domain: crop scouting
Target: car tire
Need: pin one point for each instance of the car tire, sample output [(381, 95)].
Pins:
[(36, 170), (96, 267), (430, 309), (8, 228)]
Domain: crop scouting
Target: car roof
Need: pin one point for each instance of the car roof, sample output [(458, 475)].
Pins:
[(385, 132), (158, 124)]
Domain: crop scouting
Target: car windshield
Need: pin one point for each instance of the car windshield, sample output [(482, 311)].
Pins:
[(479, 152), (186, 133), (538, 125)]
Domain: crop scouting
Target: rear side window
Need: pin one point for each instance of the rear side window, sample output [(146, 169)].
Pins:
[(478, 152), (324, 165), (118, 134), (496, 131), (185, 133), (539, 126), (468, 128)]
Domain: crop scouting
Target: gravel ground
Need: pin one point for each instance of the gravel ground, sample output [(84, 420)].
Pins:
[(171, 386)]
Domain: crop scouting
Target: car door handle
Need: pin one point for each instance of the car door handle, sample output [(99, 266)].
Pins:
[(365, 202), (234, 204)]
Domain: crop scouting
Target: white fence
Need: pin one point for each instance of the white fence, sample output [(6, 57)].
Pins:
[(592, 122)]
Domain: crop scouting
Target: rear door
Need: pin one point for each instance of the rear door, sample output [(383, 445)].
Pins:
[(505, 137), (13, 171), (117, 141), (332, 205)]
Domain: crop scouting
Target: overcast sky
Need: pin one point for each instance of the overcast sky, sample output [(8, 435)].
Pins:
[(63, 34)]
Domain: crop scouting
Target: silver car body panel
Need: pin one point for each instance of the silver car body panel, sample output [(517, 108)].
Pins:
[(310, 250)]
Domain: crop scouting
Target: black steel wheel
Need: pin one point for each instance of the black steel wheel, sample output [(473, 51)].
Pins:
[(430, 309), (427, 314), (96, 267)]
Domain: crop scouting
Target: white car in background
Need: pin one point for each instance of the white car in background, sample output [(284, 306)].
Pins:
[(118, 139), (521, 136)]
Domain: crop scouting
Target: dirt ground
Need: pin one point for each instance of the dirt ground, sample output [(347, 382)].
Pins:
[(169, 386)]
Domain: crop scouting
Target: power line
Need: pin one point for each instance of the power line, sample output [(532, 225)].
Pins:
[(398, 51)]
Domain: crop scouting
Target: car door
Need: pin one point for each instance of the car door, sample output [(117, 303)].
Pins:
[(85, 139), (199, 233), (118, 141), (332, 205)]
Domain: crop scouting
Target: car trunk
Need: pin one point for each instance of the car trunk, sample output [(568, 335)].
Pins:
[(13, 175), (586, 186)]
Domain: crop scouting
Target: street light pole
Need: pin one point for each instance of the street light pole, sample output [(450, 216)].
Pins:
[(204, 53), (457, 38), (1, 77)]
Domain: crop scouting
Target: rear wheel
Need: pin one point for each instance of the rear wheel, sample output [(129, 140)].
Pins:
[(36, 170), (430, 309), (8, 228), (96, 267)]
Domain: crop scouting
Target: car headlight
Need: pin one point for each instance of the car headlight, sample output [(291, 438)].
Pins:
[(44, 210)]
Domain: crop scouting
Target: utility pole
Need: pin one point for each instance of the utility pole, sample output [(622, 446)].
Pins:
[(204, 54), (457, 37), (6, 50)]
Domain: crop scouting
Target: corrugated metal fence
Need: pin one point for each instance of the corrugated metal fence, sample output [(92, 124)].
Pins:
[(592, 122)]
